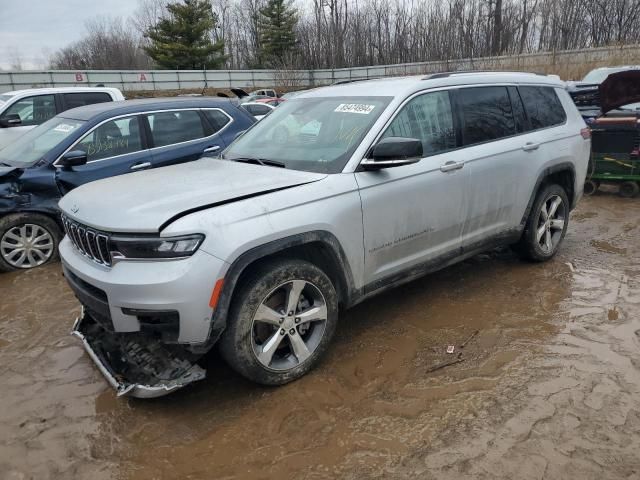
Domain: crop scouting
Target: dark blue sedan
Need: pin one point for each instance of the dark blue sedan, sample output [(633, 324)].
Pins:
[(94, 142)]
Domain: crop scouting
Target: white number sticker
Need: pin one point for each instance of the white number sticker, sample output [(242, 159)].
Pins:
[(355, 108), (64, 128)]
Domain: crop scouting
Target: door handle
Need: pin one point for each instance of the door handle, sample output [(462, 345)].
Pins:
[(141, 165), (529, 146), (451, 166), (215, 148)]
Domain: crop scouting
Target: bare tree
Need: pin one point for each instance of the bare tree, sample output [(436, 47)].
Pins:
[(108, 44)]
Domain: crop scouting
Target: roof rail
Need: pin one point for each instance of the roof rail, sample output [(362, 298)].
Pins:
[(435, 76), (343, 82)]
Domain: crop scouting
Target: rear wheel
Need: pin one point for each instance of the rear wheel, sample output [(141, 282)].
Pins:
[(591, 187), (27, 240), (546, 225), (281, 322), (629, 189)]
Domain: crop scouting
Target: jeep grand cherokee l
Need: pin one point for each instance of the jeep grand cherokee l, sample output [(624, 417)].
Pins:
[(341, 193)]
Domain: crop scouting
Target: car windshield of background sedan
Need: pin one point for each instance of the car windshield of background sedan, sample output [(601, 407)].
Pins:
[(310, 134), (33, 145)]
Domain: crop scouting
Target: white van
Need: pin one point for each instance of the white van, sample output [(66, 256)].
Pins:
[(21, 110)]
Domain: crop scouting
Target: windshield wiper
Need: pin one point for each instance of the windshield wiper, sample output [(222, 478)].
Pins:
[(259, 161), (4, 164)]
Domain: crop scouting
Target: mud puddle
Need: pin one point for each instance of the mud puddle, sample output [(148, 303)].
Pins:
[(549, 387)]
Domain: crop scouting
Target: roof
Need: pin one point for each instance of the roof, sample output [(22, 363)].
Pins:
[(110, 109), (403, 86), (41, 91)]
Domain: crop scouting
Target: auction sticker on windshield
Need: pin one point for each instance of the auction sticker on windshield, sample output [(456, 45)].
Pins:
[(355, 108), (64, 128)]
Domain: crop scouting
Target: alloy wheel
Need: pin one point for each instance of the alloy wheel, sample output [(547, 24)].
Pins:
[(289, 325), (550, 223), (26, 246)]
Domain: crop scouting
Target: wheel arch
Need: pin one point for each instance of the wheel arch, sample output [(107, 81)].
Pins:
[(319, 247), (563, 174)]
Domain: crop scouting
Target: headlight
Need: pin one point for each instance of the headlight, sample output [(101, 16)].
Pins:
[(154, 247)]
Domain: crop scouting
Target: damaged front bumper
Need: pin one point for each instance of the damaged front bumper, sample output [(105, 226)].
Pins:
[(135, 364)]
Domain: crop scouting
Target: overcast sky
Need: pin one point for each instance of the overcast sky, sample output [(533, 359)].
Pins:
[(35, 28)]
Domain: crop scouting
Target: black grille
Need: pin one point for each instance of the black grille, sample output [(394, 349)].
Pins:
[(586, 98), (91, 243)]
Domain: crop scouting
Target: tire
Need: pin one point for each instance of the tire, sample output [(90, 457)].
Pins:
[(629, 189), (18, 227), (591, 187), (262, 340), (532, 245)]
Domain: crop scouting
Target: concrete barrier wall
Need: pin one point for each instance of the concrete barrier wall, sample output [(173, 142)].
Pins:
[(571, 64)]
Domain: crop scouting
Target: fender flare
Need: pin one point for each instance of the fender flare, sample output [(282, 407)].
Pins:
[(240, 264)]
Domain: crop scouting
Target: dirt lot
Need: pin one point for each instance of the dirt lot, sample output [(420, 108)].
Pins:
[(549, 387)]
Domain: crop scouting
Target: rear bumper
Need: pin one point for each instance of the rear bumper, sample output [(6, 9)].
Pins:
[(133, 365)]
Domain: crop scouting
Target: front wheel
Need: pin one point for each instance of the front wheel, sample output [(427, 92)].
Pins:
[(27, 240), (546, 225), (281, 322)]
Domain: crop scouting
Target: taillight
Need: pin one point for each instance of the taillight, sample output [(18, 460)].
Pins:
[(586, 133)]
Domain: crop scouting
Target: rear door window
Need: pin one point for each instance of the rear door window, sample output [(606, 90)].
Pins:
[(485, 114), (115, 137), (33, 110), (217, 120), (543, 106), (169, 128), (73, 100), (428, 118)]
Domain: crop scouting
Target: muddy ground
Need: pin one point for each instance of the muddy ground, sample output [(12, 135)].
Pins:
[(549, 387)]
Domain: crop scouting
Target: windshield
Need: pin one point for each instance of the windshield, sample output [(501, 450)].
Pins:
[(5, 98), (33, 145), (310, 134), (600, 75)]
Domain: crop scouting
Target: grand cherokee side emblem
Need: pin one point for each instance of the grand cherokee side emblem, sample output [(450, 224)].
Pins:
[(75, 208)]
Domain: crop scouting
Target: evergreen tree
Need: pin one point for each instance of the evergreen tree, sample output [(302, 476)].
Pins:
[(277, 22), (182, 40)]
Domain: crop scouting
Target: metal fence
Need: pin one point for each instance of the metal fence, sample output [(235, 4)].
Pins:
[(568, 64)]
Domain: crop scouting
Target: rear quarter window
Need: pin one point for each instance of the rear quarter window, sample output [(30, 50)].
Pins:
[(543, 107), (73, 100)]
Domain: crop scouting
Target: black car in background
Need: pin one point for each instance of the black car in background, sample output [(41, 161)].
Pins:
[(94, 142)]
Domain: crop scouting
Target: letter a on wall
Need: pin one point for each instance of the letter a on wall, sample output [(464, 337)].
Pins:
[(143, 77)]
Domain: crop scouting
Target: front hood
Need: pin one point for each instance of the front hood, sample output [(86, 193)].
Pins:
[(622, 88), (145, 202)]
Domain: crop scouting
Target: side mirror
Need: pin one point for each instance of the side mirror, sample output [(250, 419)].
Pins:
[(11, 120), (394, 152), (73, 158)]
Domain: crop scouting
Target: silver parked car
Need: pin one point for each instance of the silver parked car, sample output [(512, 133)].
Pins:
[(339, 194)]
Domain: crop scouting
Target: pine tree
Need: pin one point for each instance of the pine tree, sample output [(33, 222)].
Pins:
[(182, 40), (277, 24)]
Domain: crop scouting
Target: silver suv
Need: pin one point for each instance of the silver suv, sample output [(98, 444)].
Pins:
[(341, 193)]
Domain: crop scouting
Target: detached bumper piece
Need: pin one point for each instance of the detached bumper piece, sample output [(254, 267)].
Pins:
[(135, 364)]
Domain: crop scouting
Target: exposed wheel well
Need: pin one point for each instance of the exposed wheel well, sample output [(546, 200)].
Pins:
[(316, 252)]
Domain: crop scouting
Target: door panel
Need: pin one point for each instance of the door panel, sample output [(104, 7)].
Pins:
[(415, 214), (113, 148), (411, 214), (494, 152)]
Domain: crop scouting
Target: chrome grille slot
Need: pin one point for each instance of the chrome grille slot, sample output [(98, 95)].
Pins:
[(89, 242)]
